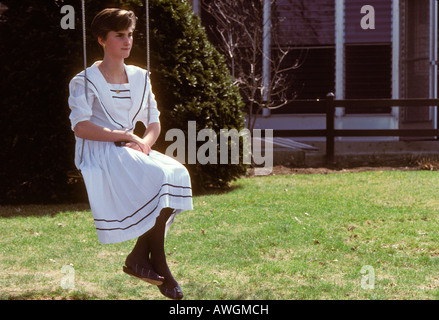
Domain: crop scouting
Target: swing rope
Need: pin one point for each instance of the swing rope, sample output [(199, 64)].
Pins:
[(148, 65), (84, 51), (84, 48)]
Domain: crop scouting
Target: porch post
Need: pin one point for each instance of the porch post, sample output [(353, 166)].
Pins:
[(266, 47), (339, 49), (196, 7), (433, 58), (339, 60), (396, 52)]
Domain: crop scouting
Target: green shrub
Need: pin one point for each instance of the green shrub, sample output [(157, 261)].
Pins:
[(192, 83)]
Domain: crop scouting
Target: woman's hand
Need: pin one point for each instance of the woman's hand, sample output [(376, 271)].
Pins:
[(139, 144), (144, 144), (133, 145)]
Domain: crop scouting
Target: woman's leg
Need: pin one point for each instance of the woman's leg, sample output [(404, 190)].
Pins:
[(156, 240), (141, 252), (138, 262)]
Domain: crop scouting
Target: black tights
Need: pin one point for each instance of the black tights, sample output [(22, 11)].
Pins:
[(150, 249)]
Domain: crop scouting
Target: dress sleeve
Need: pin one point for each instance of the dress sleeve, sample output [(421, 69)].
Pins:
[(154, 112), (81, 109)]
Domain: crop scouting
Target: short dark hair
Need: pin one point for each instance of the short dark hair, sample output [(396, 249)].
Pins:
[(112, 19)]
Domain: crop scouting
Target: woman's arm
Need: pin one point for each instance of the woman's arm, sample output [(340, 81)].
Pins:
[(152, 133), (90, 131)]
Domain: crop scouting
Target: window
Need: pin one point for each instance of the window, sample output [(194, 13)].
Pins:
[(368, 54), (368, 74), (308, 28)]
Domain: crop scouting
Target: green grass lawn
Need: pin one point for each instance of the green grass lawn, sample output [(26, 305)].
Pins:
[(367, 235)]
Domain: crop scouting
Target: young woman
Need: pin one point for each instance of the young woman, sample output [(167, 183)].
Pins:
[(134, 191)]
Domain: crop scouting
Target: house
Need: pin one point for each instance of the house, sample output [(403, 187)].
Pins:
[(358, 49)]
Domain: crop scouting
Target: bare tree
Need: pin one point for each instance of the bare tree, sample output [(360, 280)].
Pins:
[(239, 27)]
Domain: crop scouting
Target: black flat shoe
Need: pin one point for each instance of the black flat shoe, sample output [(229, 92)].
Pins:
[(145, 274), (172, 293)]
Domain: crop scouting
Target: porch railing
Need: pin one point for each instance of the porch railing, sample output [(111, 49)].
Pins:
[(330, 133)]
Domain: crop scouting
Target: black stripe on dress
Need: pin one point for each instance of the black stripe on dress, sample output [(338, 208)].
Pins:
[(112, 90), (164, 194), (137, 211)]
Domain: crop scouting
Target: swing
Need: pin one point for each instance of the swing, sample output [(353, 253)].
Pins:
[(77, 173)]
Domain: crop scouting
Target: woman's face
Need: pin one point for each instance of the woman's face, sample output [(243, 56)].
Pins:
[(118, 43)]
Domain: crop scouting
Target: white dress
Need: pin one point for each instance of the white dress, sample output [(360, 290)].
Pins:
[(126, 188)]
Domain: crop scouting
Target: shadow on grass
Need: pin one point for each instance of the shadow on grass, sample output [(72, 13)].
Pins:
[(40, 210), (216, 191), (47, 295)]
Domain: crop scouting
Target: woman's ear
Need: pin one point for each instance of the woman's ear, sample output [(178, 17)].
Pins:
[(101, 42)]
